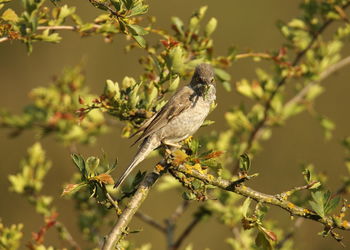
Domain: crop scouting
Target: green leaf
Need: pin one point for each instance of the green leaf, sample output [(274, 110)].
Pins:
[(194, 145), (72, 188), (140, 40), (328, 126), (245, 206), (318, 203), (207, 123), (128, 4), (178, 25), (116, 4), (262, 242), (9, 15), (91, 164), (136, 30), (80, 163), (244, 88), (174, 84), (99, 5), (211, 26), (244, 163), (222, 74), (86, 27), (139, 9), (332, 204), (227, 86), (318, 208), (65, 11), (175, 59), (47, 37), (314, 91), (188, 196)]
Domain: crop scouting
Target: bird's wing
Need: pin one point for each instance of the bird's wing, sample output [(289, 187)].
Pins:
[(144, 125), (179, 102)]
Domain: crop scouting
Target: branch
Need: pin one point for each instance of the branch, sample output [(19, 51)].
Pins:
[(180, 209), (171, 222), (187, 231), (57, 27), (149, 220), (66, 235), (120, 228), (274, 200), (332, 69), (289, 235), (144, 217)]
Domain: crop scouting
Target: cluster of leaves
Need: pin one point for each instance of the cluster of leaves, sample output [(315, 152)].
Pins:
[(29, 183), (54, 108), (94, 174), (93, 181), (40, 21), (92, 192), (10, 237)]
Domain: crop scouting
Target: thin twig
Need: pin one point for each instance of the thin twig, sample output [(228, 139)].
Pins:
[(180, 209), (171, 222), (288, 193), (112, 201), (289, 235), (66, 235), (186, 232), (56, 27), (150, 221), (332, 69)]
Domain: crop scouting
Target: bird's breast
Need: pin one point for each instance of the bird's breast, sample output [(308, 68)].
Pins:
[(188, 121)]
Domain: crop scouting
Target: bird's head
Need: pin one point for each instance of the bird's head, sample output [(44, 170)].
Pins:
[(203, 79), (203, 75)]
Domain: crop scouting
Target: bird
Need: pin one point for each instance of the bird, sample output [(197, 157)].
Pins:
[(179, 118)]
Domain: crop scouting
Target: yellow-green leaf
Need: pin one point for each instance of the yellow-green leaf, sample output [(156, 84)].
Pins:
[(9, 15)]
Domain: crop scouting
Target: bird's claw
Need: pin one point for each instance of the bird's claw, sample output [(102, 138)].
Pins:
[(171, 144)]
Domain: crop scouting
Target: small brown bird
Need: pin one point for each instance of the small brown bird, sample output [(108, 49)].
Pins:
[(181, 117)]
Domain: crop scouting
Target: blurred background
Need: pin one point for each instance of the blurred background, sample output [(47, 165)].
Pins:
[(248, 28)]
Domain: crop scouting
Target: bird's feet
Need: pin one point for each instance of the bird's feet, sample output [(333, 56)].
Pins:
[(170, 146)]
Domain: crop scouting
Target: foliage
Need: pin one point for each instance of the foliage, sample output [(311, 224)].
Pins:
[(201, 169), (10, 236), (40, 21), (54, 108)]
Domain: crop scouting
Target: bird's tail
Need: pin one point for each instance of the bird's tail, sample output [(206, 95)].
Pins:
[(146, 147)]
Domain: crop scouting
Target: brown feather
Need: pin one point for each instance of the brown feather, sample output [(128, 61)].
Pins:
[(177, 104)]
